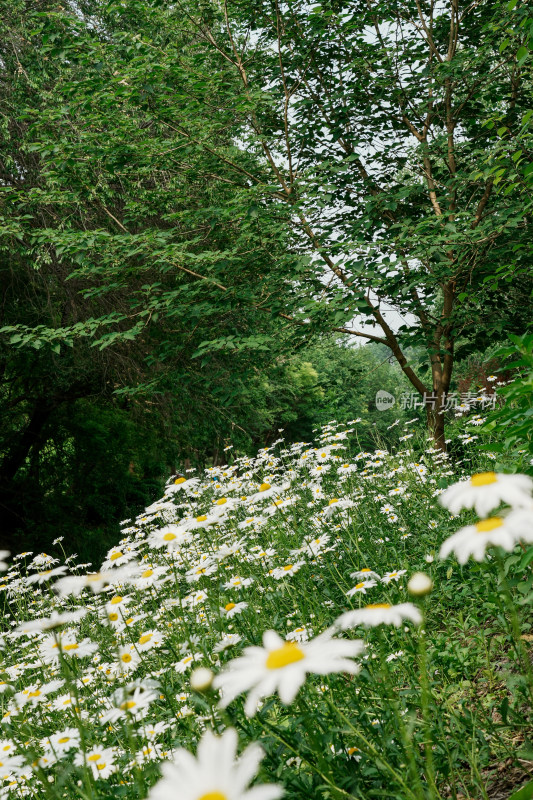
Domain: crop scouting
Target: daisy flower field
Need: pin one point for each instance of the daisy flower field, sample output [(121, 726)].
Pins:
[(313, 622)]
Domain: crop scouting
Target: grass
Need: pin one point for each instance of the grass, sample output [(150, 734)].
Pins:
[(437, 710)]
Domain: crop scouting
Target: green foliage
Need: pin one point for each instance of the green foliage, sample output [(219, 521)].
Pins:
[(243, 209), (96, 464), (512, 424), (382, 174), (192, 195)]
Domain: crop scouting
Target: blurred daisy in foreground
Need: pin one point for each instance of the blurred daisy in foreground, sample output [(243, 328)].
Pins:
[(55, 620), (486, 491), (46, 575), (216, 773), (96, 581), (282, 666), (504, 532), (379, 614)]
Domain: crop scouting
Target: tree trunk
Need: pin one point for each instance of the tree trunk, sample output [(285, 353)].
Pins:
[(28, 439), (435, 422), (13, 496)]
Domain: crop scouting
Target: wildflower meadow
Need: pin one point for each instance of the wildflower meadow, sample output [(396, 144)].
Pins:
[(314, 622)]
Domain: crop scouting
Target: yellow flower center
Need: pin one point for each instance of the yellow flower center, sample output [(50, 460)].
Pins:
[(483, 479), (145, 638), (34, 694), (334, 500), (264, 487), (94, 757), (365, 569), (113, 616), (213, 796), (168, 537), (179, 480), (287, 567), (116, 599), (489, 524), (221, 501), (147, 573), (360, 585), (115, 556), (63, 740), (379, 605), (127, 705), (289, 653), (201, 518), (229, 606), (70, 646), (126, 657)]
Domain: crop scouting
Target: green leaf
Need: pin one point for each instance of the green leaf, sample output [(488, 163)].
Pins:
[(522, 55), (525, 793)]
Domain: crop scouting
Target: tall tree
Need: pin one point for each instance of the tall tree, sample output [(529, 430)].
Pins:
[(369, 116), (231, 167), (120, 254)]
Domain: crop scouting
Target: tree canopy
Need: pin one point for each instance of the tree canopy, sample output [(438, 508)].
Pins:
[(193, 195)]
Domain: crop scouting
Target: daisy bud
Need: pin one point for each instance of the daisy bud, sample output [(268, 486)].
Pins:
[(201, 679), (420, 584)]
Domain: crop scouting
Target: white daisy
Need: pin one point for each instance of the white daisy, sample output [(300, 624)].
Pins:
[(288, 569), (215, 773), (97, 581), (361, 587), (282, 666), (227, 640), (186, 662), (236, 582), (171, 537), (486, 491), (379, 614), (100, 760), (46, 575), (504, 532), (128, 658), (180, 483), (365, 574), (65, 740)]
